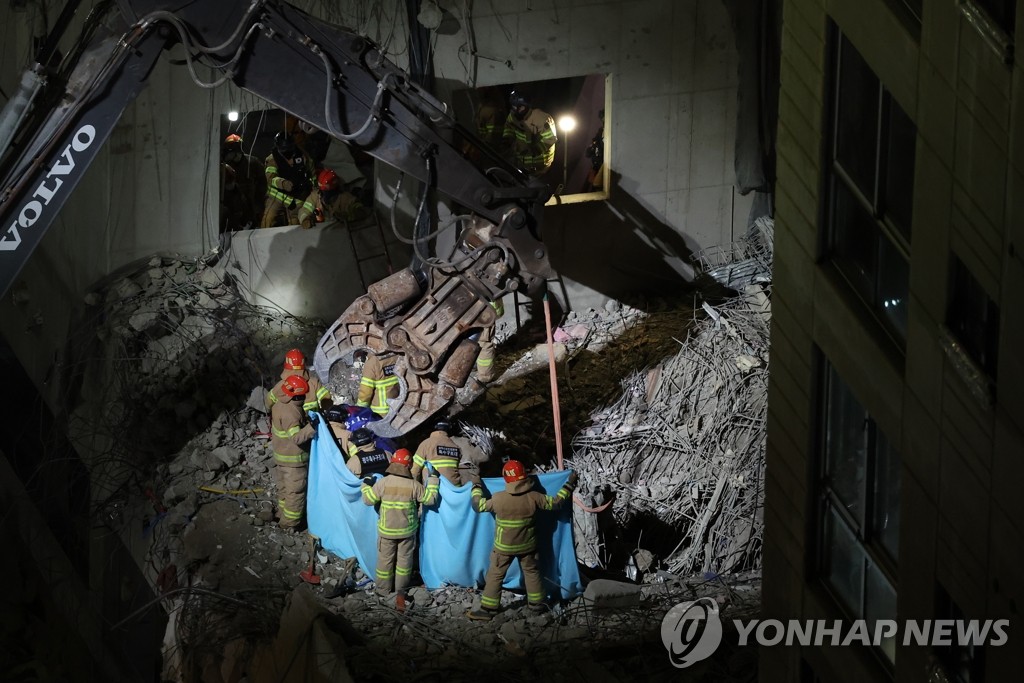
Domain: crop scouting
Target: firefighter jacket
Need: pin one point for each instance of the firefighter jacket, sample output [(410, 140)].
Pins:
[(290, 431), (317, 391), (378, 383), (440, 451), (513, 510), (281, 174), (368, 459), (531, 140), (342, 436), (399, 495)]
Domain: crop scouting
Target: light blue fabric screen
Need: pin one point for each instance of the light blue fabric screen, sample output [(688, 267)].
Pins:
[(455, 541)]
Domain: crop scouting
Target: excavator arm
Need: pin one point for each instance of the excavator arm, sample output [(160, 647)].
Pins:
[(342, 83)]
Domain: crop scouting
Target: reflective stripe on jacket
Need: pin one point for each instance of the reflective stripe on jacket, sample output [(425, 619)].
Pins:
[(399, 496), (290, 432), (440, 451), (378, 384), (532, 139), (317, 391), (514, 511)]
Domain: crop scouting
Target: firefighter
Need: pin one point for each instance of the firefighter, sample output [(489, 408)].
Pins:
[(244, 185), (335, 202), (291, 432), (290, 188), (337, 417), (514, 535), (485, 361), (440, 451), (529, 135), (295, 364), (378, 383), (399, 495), (366, 456)]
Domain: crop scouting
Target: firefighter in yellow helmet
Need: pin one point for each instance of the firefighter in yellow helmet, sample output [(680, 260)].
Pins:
[(399, 496), (514, 534), (378, 383), (318, 395), (290, 434)]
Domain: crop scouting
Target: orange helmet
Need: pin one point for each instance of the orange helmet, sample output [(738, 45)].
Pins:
[(294, 360), (513, 471), (402, 457), (295, 386), (232, 139), (327, 180)]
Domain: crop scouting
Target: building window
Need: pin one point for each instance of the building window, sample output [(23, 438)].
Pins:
[(859, 487), (973, 318), (870, 187), (961, 663), (1003, 13), (994, 21)]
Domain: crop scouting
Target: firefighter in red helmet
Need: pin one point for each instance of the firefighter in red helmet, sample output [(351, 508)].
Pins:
[(336, 202), (514, 534), (290, 434), (399, 496), (317, 397)]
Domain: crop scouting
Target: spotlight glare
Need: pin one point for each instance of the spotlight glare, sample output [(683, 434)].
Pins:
[(232, 116), (567, 123)]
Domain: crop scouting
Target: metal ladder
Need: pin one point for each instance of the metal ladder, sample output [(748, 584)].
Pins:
[(373, 221)]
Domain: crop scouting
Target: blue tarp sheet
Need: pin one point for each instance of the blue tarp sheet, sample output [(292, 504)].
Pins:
[(455, 542)]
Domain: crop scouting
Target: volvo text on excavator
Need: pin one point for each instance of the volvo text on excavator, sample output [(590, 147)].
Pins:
[(336, 80)]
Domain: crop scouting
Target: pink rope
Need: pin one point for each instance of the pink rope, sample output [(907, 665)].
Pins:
[(556, 412)]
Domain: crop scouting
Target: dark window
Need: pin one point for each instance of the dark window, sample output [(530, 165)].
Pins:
[(914, 7), (1002, 12), (871, 187), (859, 489), (962, 663), (973, 317)]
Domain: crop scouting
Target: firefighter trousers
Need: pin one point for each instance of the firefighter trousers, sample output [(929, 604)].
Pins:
[(275, 213), (485, 361), (394, 563), (291, 494), (491, 599)]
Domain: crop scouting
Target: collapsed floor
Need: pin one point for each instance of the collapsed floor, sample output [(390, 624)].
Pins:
[(663, 411)]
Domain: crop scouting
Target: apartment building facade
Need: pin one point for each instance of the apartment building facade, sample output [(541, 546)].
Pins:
[(896, 418)]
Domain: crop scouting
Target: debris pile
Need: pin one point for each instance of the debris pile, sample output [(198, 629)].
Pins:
[(685, 443), (678, 451), (166, 349)]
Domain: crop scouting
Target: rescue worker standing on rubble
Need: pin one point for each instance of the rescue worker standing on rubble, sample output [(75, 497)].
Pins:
[(367, 457), (440, 451), (529, 135), (515, 535), (291, 432), (291, 197), (378, 383), (399, 496), (295, 364)]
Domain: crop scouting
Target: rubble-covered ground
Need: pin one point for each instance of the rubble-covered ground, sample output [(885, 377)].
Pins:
[(195, 503)]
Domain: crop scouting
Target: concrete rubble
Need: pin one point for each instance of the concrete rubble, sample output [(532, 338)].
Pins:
[(685, 443), (681, 440)]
